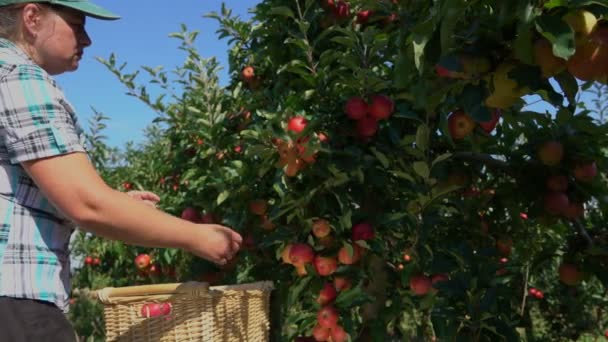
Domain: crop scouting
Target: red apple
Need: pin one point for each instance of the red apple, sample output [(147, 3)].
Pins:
[(327, 295), (96, 261), (301, 253), (127, 186), (574, 210), (321, 228), (362, 231), (258, 207), (488, 126), (437, 278), (569, 274), (346, 257), (88, 260), (338, 334), (327, 241), (328, 316), (363, 16), (325, 266), (150, 310), (460, 124), (556, 203), (391, 18), (191, 214), (320, 333), (285, 254), (322, 137), (342, 283), (407, 257), (208, 218), (248, 73), (341, 10), (591, 57), (557, 183), (328, 4), (301, 269), (154, 271), (420, 284), (551, 153), (297, 124), (381, 107), (355, 108), (443, 71), (142, 261), (585, 172), (249, 242), (367, 127), (504, 245), (532, 291)]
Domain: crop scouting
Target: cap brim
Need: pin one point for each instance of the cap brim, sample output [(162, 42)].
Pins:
[(91, 10)]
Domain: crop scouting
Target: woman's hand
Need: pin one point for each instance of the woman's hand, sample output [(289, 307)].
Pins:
[(215, 243), (147, 197)]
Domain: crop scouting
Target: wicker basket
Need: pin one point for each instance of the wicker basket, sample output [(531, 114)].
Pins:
[(196, 312)]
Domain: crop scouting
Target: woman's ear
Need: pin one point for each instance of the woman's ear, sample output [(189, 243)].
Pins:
[(31, 18)]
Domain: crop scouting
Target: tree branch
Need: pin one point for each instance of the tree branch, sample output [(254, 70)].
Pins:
[(581, 229), (484, 158)]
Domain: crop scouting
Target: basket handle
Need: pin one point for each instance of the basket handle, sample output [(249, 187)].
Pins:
[(195, 288)]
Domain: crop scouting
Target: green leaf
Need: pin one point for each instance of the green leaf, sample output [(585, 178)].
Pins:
[(352, 297), (381, 157), (453, 11), (296, 291), (559, 33), (583, 3), (422, 169), (555, 3), (222, 197), (523, 45), (563, 116), (472, 99), (441, 158), (422, 137), (569, 86), (421, 36), (284, 11)]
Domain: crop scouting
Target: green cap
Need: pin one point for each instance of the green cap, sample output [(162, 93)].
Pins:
[(84, 6)]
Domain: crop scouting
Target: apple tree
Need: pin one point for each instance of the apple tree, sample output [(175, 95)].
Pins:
[(400, 169)]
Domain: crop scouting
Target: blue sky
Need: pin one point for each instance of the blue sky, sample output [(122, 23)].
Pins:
[(139, 38)]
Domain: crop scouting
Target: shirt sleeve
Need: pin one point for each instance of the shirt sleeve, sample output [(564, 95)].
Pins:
[(36, 119)]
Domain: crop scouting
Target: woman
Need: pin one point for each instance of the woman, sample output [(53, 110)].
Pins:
[(47, 184)]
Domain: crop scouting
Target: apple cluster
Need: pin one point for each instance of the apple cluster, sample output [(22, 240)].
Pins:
[(556, 200), (302, 254), (367, 115), (294, 155), (589, 62), (92, 261), (145, 266), (193, 215), (259, 207), (461, 124)]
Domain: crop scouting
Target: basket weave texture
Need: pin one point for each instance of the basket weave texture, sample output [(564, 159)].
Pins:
[(198, 312)]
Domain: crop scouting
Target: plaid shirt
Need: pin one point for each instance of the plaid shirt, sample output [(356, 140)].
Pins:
[(36, 122)]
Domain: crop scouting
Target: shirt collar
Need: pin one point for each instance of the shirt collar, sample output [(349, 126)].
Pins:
[(13, 48)]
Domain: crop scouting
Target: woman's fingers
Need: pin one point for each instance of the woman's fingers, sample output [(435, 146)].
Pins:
[(144, 195)]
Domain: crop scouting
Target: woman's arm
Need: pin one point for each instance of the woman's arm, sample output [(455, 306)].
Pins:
[(71, 183)]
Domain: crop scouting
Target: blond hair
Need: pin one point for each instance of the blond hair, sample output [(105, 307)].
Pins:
[(9, 21)]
